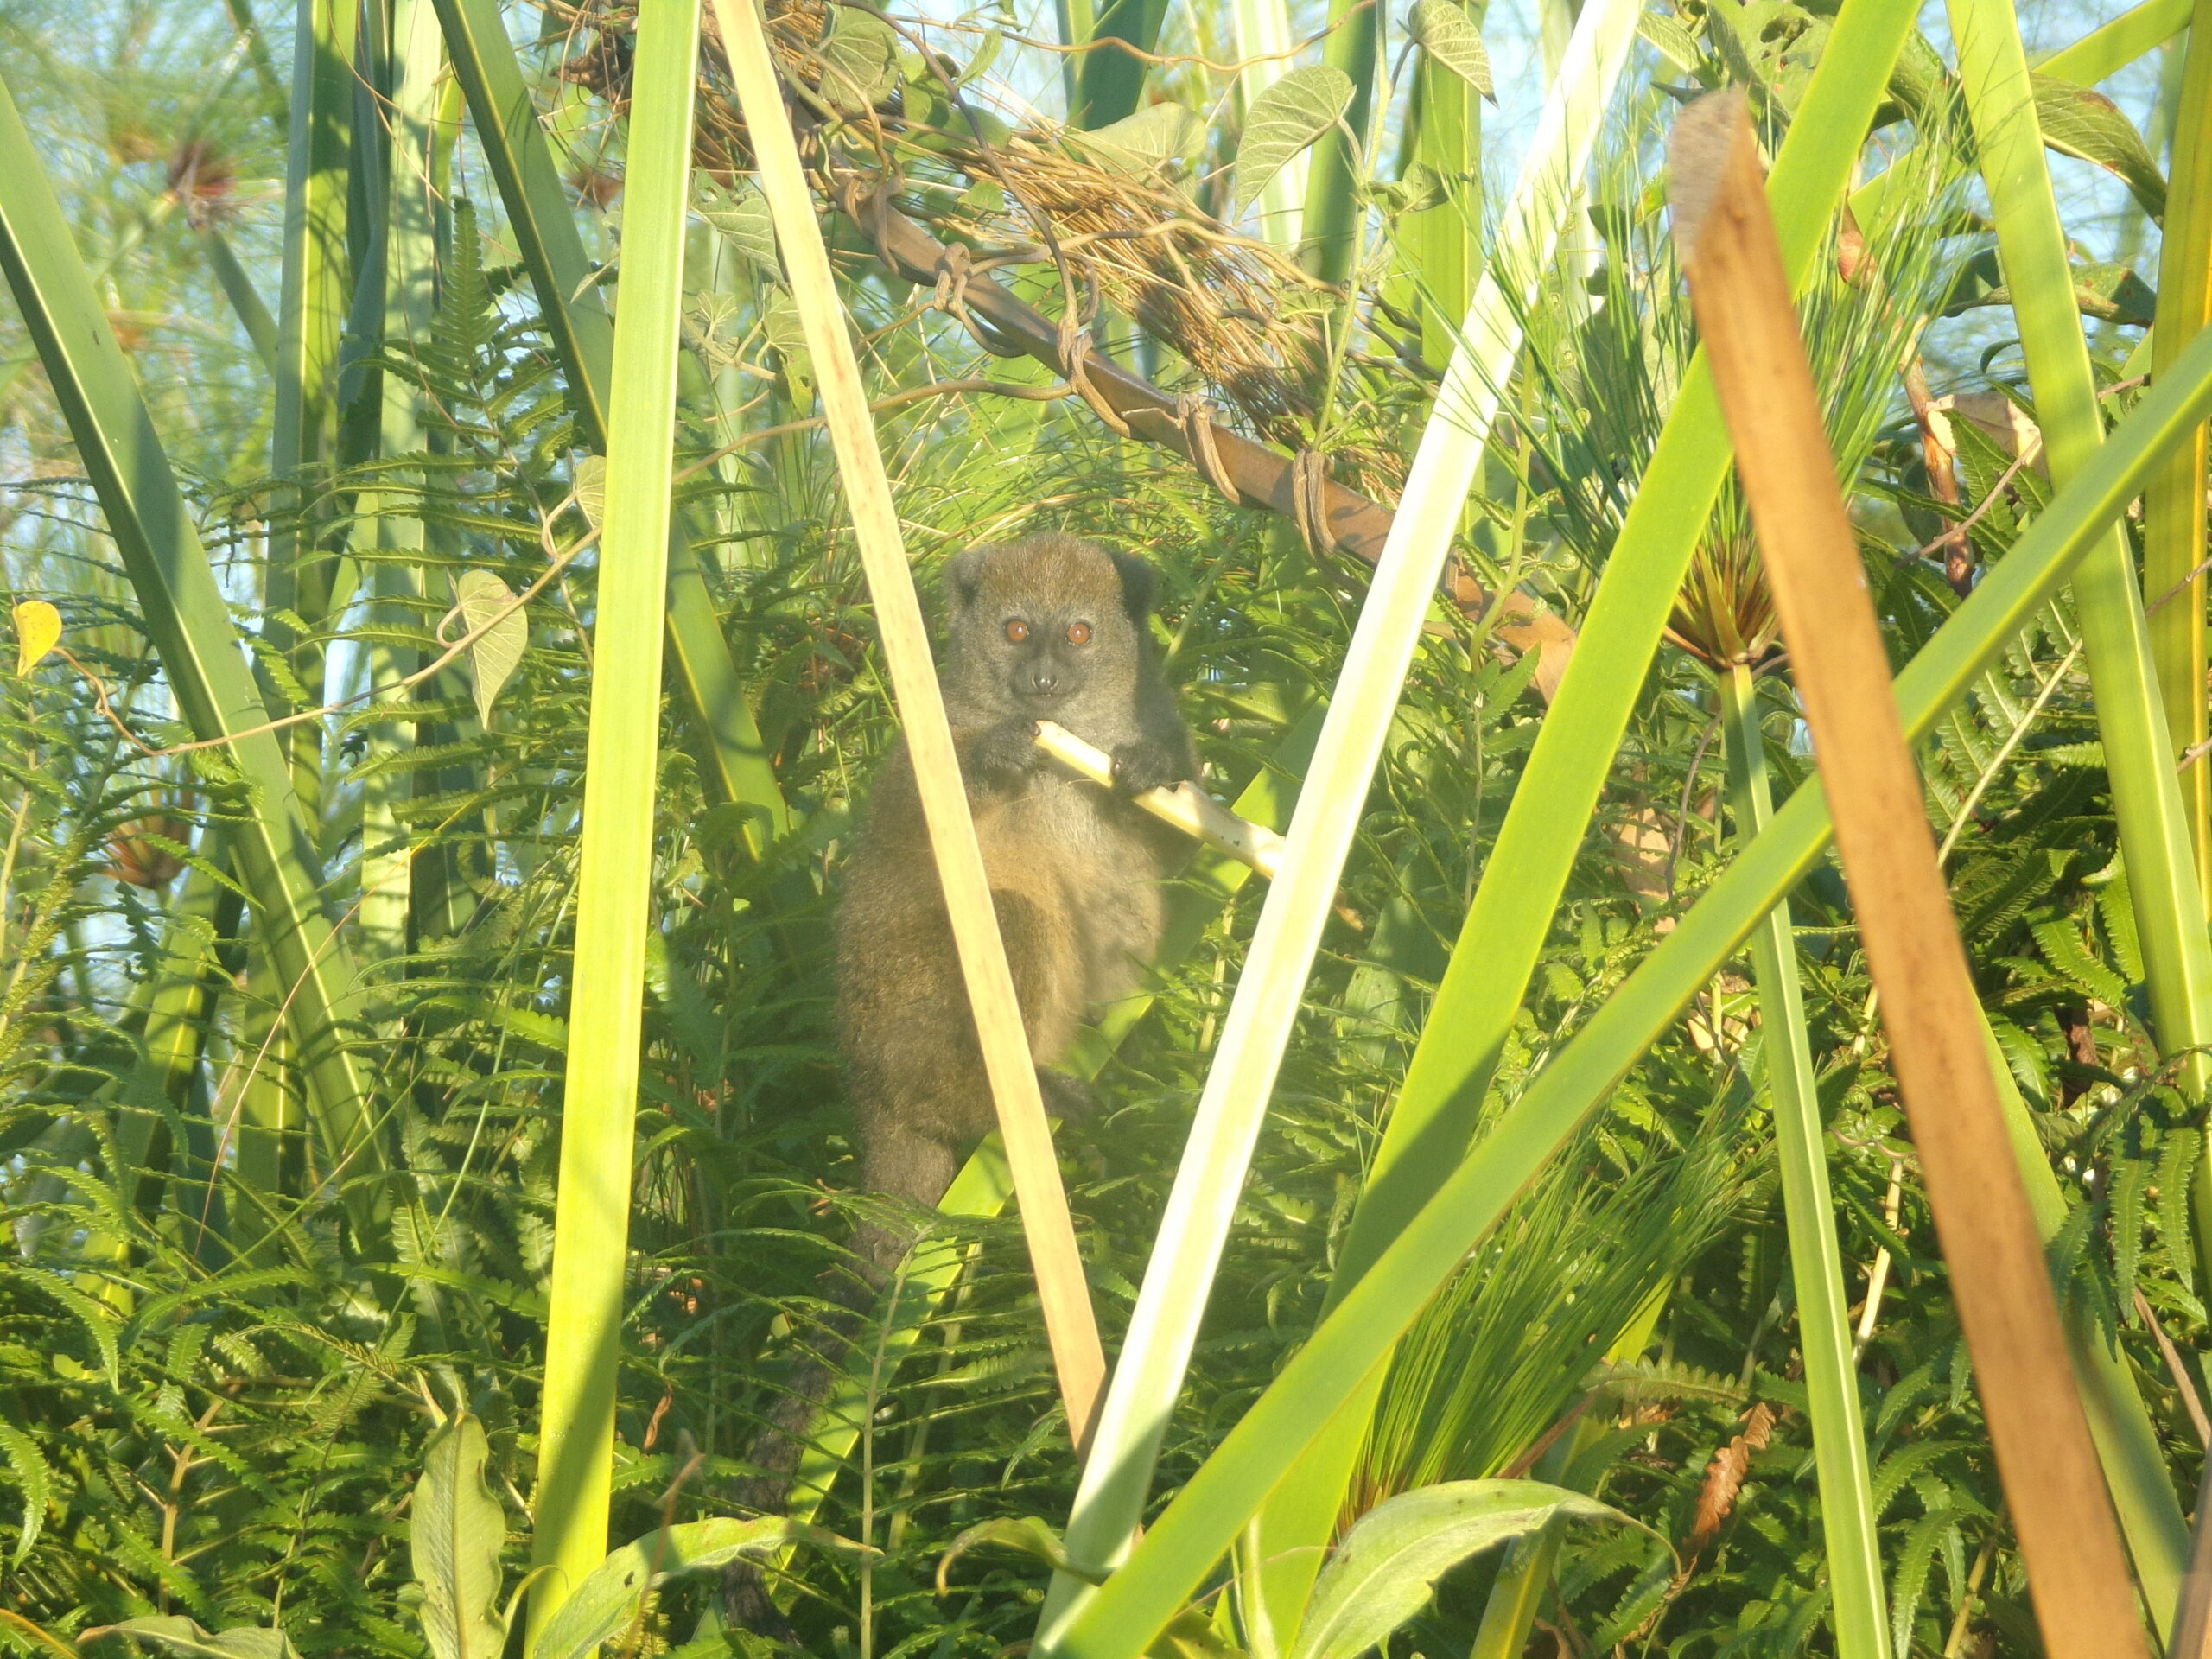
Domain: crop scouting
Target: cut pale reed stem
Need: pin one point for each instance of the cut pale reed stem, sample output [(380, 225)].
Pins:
[(1185, 807)]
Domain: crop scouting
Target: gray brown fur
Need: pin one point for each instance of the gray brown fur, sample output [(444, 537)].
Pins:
[(1075, 871)]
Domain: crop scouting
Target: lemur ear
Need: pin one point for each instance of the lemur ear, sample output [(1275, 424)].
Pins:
[(1138, 586), (963, 575)]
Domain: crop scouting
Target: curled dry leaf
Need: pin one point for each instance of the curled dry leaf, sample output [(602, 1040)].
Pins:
[(1723, 1476)]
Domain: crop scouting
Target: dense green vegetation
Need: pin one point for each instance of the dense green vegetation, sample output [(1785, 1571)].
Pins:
[(307, 373)]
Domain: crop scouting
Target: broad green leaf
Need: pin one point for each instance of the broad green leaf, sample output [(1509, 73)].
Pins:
[(2079, 122), (176, 1634), (606, 1603), (591, 488), (1387, 1567), (38, 630), (1674, 43), (456, 1530), (1027, 1535), (1450, 38), (1157, 136), (1289, 116), (740, 216), (859, 60), (779, 321), (491, 659)]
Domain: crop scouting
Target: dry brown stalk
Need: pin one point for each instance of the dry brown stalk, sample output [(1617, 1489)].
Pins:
[(2069, 1542)]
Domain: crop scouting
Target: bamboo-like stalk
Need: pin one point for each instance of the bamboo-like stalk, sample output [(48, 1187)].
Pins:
[(253, 312), (1442, 249), (2147, 801), (311, 311), (2173, 506), (1527, 869), (1179, 1273), (190, 626), (2069, 1542), (1335, 1367), (614, 868), (1847, 1517), (410, 300), (520, 160), (1334, 198), (179, 995), (1109, 84), (1070, 1326), (1263, 32)]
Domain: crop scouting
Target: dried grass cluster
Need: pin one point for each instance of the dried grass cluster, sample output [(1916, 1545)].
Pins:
[(1248, 322)]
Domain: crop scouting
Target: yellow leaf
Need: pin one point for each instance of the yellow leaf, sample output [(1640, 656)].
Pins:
[(38, 630)]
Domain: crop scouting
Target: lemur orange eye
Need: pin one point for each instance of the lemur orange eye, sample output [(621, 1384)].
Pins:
[(1078, 633), (1017, 630)]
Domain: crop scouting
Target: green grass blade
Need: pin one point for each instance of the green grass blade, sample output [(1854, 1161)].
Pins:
[(2130, 35), (1847, 1517), (310, 317), (614, 875), (1277, 1434), (2173, 506), (1149, 1375), (521, 164), (2154, 832), (1527, 869), (190, 626), (410, 257), (245, 299)]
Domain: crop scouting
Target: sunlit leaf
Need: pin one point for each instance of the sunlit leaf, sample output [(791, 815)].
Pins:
[(2077, 121), (859, 60), (741, 215), (1158, 136), (591, 488), (175, 1634), (1451, 41), (1287, 117), (1025, 1534), (38, 630), (1387, 1567), (491, 659), (606, 1603), (456, 1530)]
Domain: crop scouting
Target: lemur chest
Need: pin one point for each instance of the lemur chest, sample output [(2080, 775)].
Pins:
[(1067, 822)]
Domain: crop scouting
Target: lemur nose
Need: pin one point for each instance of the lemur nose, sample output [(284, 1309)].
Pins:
[(1044, 681)]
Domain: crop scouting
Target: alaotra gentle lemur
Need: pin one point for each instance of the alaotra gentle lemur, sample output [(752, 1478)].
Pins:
[(1045, 628)]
